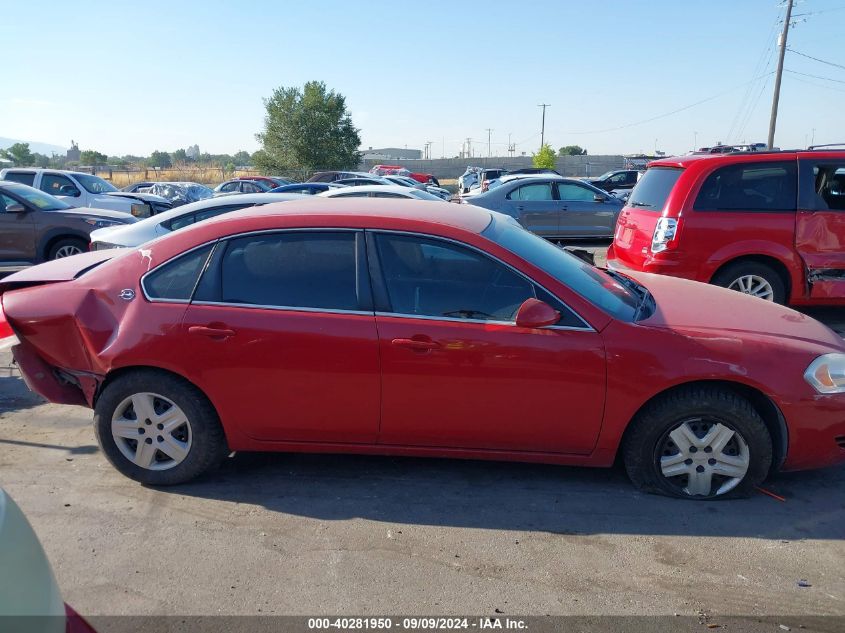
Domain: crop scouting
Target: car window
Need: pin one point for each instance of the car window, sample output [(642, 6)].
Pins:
[(40, 200), (571, 191), (180, 222), (5, 201), (618, 179), (294, 270), (23, 177), (829, 187), (429, 277), (352, 194), (537, 191), (53, 183), (764, 187), (652, 190), (387, 194), (176, 279), (251, 187), (229, 187), (199, 216), (94, 184)]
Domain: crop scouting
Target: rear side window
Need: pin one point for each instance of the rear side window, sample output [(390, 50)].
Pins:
[(298, 269), (23, 177), (761, 187), (654, 188), (571, 191), (175, 281), (539, 191)]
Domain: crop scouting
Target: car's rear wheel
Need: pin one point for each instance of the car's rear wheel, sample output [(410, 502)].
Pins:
[(700, 443), (66, 247), (753, 278), (158, 429)]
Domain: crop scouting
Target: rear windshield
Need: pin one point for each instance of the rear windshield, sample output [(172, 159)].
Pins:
[(653, 188)]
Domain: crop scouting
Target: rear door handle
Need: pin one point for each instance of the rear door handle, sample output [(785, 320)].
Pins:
[(211, 332), (415, 344)]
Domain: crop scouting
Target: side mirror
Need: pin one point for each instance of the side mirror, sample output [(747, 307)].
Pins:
[(15, 207), (69, 190), (534, 313), (599, 198)]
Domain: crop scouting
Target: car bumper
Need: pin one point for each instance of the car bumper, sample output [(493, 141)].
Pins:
[(816, 428), (674, 268)]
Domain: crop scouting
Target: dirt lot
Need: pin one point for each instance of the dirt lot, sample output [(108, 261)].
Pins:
[(362, 535)]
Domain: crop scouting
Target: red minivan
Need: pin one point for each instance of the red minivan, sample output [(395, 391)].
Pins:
[(769, 224)]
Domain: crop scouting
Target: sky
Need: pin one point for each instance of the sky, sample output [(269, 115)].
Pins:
[(621, 76)]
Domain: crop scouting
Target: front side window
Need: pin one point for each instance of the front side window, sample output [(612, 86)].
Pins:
[(175, 280), (53, 183), (40, 200), (229, 187), (762, 187), (571, 191), (297, 269), (534, 192), (95, 184), (433, 278)]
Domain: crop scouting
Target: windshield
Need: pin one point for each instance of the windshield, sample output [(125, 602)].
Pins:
[(423, 195), (653, 188), (40, 200), (595, 285), (94, 184)]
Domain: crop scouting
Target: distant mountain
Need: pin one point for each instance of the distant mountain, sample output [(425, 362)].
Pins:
[(41, 148)]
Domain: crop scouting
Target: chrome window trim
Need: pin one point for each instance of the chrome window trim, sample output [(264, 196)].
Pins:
[(423, 317), (282, 308), (587, 327)]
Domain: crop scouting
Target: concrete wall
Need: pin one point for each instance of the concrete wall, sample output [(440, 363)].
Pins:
[(454, 167)]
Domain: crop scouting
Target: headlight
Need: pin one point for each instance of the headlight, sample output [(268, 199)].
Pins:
[(827, 373), (141, 210), (101, 224)]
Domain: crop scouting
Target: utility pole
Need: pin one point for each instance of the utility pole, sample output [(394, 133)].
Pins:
[(428, 149), (469, 147), (779, 73), (543, 124), (510, 145), (489, 132)]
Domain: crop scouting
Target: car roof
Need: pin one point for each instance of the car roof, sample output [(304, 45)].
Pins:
[(688, 160), (367, 189), (371, 212)]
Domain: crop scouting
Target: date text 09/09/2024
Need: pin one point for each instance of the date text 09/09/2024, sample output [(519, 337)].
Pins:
[(411, 623)]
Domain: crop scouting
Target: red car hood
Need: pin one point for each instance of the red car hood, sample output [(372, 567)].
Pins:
[(63, 269), (687, 306)]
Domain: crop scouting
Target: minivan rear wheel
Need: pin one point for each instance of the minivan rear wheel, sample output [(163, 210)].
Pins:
[(698, 443), (753, 278)]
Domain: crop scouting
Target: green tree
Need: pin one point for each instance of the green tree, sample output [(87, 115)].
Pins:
[(179, 156), (159, 159), (242, 158), (545, 158), (92, 157), (308, 128), (572, 150), (19, 154), (40, 160)]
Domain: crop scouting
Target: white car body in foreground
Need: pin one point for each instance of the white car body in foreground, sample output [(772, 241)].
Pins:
[(164, 223), (381, 191)]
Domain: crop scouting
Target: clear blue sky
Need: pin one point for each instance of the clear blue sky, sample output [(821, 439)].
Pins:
[(131, 77)]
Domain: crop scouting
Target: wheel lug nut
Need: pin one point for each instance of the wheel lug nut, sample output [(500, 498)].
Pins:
[(688, 462), (711, 461), (708, 449), (693, 449), (160, 427), (699, 469), (147, 422), (160, 438), (149, 440), (141, 431)]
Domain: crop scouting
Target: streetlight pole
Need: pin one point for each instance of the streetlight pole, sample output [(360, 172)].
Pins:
[(489, 132), (543, 124), (773, 119)]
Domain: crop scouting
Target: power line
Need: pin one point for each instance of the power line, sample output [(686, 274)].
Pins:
[(667, 114), (741, 130), (820, 11), (812, 83), (794, 72), (792, 50)]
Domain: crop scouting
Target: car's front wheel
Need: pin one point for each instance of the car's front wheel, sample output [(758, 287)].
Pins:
[(158, 429), (701, 443), (66, 247)]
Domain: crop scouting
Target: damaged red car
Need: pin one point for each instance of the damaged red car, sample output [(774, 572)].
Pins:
[(766, 223), (404, 328)]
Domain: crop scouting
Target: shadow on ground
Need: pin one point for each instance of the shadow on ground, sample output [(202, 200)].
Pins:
[(524, 497)]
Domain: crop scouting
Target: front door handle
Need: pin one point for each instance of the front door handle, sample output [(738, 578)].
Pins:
[(211, 332), (416, 344)]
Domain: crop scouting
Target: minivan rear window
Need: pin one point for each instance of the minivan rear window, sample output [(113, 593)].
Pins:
[(653, 188)]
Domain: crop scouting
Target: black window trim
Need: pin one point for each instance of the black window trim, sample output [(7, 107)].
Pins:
[(380, 288), (361, 266)]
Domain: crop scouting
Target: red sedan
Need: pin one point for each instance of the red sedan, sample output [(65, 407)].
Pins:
[(417, 328)]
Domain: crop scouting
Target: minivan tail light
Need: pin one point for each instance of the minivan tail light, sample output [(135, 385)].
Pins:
[(664, 232)]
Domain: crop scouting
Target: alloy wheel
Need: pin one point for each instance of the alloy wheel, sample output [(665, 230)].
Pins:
[(753, 285), (702, 457), (67, 251), (151, 431)]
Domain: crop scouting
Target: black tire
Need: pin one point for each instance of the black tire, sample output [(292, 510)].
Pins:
[(646, 439), (208, 444), (65, 244), (730, 273)]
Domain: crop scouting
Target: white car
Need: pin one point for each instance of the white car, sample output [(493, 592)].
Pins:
[(85, 190), (180, 217), (406, 181), (380, 191)]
